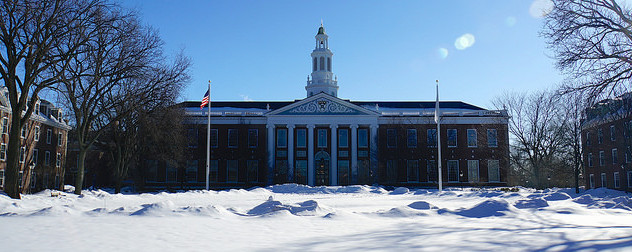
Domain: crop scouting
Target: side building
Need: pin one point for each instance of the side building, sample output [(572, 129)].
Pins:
[(326, 140), (43, 146), (607, 143)]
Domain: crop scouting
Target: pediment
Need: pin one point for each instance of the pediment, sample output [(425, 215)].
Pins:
[(322, 104)]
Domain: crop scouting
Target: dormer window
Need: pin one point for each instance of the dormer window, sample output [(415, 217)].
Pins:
[(37, 108), (59, 114)]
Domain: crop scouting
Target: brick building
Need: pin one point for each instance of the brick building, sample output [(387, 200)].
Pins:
[(43, 146), (606, 142), (326, 140)]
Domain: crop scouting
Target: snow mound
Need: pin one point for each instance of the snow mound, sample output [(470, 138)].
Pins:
[(531, 203), (585, 199), (55, 211), (163, 208), (399, 191), (306, 208), (557, 196), (488, 208), (401, 212), (421, 191), (304, 189), (421, 205)]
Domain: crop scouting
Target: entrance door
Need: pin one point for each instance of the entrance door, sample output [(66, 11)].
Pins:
[(322, 168)]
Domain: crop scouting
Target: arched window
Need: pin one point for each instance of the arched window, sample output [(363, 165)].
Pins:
[(315, 64), (322, 63), (329, 64)]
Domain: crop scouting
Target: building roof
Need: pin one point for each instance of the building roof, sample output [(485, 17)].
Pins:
[(380, 104)]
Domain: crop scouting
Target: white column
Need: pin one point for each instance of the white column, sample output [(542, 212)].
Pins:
[(334, 155), (354, 153), (310, 154), (270, 137), (290, 152), (373, 153)]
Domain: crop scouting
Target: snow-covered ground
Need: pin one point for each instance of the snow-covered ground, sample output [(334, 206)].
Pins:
[(300, 218)]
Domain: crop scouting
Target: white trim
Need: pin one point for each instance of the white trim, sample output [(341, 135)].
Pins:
[(617, 180)]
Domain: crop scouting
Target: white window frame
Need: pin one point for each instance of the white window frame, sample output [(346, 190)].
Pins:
[(457, 170), (489, 170), (475, 138), (591, 181), (49, 136), (613, 134), (22, 156), (604, 181), (471, 165), (456, 138), (236, 135), (58, 160), (629, 179), (47, 158), (3, 151), (5, 125), (60, 139), (617, 178), (35, 156), (37, 133), (590, 160), (602, 158), (615, 157), (495, 143)]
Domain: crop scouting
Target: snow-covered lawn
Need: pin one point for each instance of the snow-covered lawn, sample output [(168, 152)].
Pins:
[(300, 218)]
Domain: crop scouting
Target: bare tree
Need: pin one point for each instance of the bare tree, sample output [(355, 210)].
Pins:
[(31, 35), (592, 43), (536, 127), (97, 83)]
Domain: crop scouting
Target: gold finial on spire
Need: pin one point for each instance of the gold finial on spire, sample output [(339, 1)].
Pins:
[(321, 22)]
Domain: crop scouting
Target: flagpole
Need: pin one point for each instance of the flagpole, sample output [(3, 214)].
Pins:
[(438, 121), (208, 136)]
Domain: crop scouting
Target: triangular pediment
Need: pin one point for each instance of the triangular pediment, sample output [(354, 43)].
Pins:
[(322, 104)]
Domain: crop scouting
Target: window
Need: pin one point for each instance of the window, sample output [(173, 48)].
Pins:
[(37, 133), (214, 141), (588, 143), (363, 138), (5, 125), (253, 138), (152, 171), (592, 180), (343, 138), (492, 138), (37, 108), (343, 172), (60, 139), (49, 136), (315, 65), (58, 160), (252, 167), (391, 138), (472, 171), (431, 166), (47, 158), (213, 170), (614, 156), (280, 171), (22, 154), (451, 137), (329, 64), (432, 138), (32, 179), (301, 138), (233, 138), (23, 132), (232, 170), (603, 180), (493, 170), (629, 179), (391, 171), (412, 138), (602, 158), (412, 170), (3, 151), (322, 138), (192, 137), (281, 138), (599, 136), (590, 160), (612, 133), (471, 138), (300, 174), (322, 64), (2, 178), (35, 156), (192, 171), (616, 180), (172, 172), (628, 159), (453, 171)]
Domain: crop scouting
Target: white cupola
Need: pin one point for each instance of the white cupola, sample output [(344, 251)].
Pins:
[(323, 80)]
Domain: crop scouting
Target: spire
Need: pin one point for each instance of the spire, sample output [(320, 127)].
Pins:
[(322, 80)]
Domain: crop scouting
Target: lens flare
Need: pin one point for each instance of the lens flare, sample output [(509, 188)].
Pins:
[(540, 8), (465, 41), (442, 52), (510, 21)]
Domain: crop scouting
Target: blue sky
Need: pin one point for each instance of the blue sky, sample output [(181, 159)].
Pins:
[(383, 50)]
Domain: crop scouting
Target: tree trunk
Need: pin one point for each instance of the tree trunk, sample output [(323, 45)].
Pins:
[(81, 160), (11, 184)]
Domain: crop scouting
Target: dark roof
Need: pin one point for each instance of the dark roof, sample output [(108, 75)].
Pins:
[(387, 104)]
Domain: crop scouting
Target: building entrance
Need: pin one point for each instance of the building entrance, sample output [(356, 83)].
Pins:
[(322, 168)]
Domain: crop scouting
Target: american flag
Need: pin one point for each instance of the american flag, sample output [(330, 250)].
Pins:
[(205, 99)]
